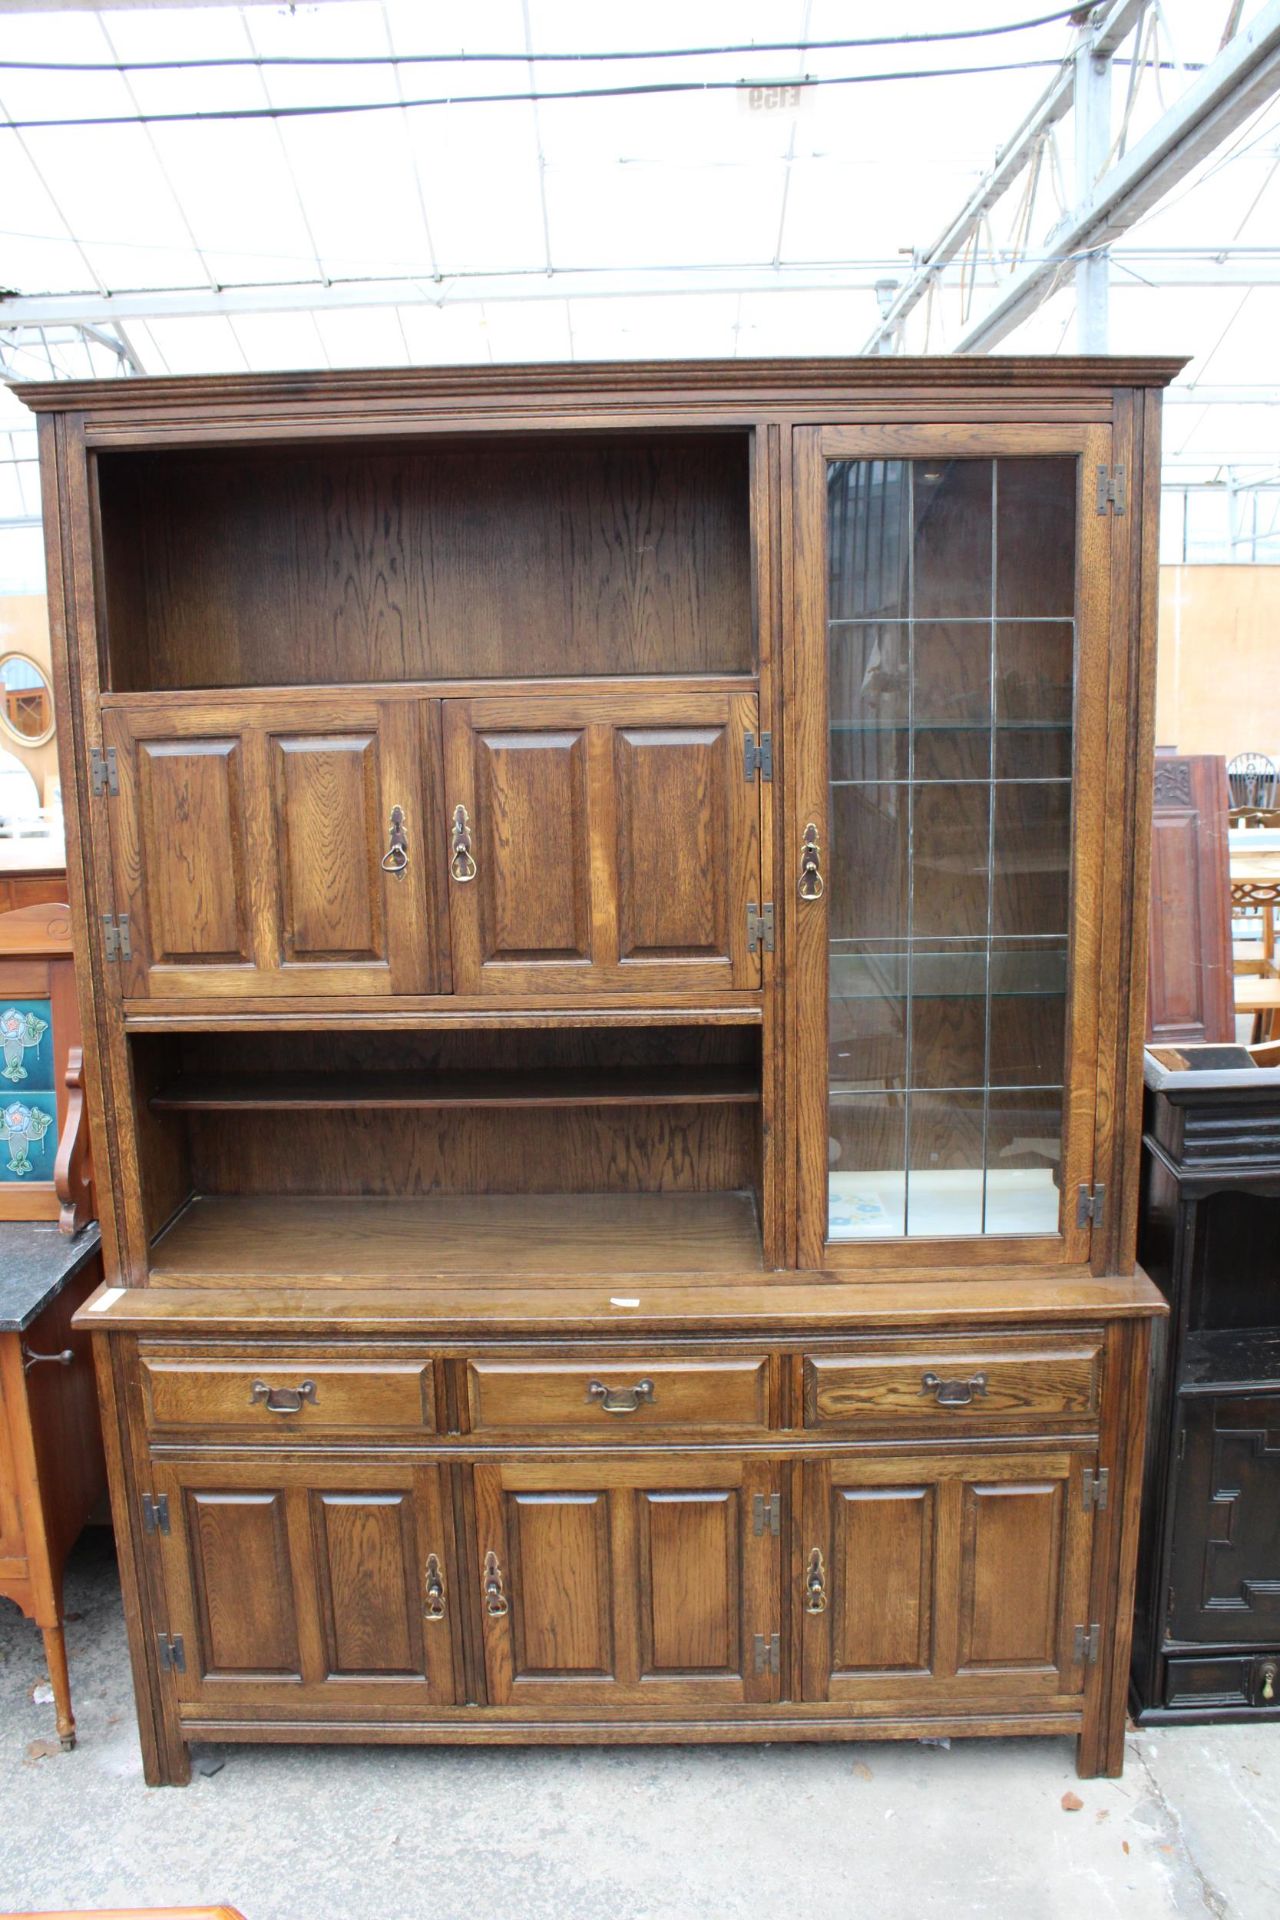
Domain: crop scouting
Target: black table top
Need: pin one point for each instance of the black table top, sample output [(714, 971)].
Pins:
[(36, 1262)]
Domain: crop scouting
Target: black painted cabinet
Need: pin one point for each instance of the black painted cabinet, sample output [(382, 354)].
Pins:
[(1207, 1632)]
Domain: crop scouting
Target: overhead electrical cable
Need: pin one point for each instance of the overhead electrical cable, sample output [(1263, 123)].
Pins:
[(512, 99), (540, 59)]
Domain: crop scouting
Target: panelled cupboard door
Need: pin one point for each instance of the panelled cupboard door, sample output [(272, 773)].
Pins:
[(609, 1583), (295, 1589), (248, 843), (602, 842), (947, 744), (935, 1580)]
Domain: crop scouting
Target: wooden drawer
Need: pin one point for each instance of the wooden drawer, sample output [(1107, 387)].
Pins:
[(288, 1395), (617, 1396), (1008, 1380)]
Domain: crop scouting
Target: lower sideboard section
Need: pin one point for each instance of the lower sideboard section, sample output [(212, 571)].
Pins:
[(791, 1584)]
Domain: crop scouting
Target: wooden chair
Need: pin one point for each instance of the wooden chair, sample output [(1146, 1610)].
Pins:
[(1267, 1053), (1252, 779)]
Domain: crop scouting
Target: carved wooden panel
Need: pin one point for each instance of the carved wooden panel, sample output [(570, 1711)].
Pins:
[(615, 838), (945, 1579), (298, 1588), (1189, 974), (367, 1582), (328, 847), (193, 848), (247, 843), (626, 1582), (1225, 1568)]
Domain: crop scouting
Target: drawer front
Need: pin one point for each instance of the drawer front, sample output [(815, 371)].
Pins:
[(616, 1395), (289, 1395), (1193, 1683), (1005, 1381)]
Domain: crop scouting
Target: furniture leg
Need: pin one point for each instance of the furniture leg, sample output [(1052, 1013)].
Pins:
[(55, 1652)]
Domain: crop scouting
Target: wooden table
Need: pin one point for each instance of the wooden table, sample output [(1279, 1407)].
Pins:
[(52, 1473)]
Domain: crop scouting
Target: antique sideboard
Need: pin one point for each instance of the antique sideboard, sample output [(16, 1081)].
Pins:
[(613, 972)]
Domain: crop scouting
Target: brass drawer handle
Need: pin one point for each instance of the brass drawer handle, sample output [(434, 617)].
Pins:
[(396, 857), (433, 1606), (462, 865), (621, 1399), (815, 1584), (282, 1399), (1267, 1682), (495, 1599), (30, 1359), (954, 1393), (812, 884)]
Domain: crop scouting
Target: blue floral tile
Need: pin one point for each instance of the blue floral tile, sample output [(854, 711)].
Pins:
[(28, 1136), (26, 1045)]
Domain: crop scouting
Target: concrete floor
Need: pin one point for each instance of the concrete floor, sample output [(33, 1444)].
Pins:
[(813, 1833)]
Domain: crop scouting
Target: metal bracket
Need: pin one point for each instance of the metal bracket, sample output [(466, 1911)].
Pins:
[(116, 944), (766, 1511), (1095, 1489), (1090, 1202), (173, 1655), (757, 757), (104, 775), (768, 1653), (759, 926), (1086, 1644), (155, 1513), (1111, 489)]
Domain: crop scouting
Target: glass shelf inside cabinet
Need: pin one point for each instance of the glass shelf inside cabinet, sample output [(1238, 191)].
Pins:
[(951, 663)]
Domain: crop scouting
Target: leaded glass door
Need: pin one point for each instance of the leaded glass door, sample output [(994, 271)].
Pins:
[(949, 741)]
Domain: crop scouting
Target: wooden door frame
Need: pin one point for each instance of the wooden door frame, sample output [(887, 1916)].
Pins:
[(422, 1483), (807, 758), (759, 1557), (949, 1473)]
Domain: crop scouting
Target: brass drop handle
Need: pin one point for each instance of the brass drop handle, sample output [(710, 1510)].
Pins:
[(495, 1598), (433, 1605), (282, 1399), (30, 1359), (815, 1584), (396, 857), (1267, 1675), (954, 1393), (462, 864), (621, 1399), (812, 884)]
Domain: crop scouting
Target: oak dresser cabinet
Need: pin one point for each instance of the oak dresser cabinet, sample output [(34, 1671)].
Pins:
[(616, 988)]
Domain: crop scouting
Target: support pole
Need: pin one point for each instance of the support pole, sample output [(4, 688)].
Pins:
[(1093, 146)]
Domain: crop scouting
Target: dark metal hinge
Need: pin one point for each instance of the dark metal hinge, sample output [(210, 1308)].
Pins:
[(115, 937), (759, 926), (173, 1655), (1096, 1489), (768, 1653), (155, 1513), (766, 1511), (757, 756), (1090, 1202), (1111, 489), (1087, 1642), (103, 772)]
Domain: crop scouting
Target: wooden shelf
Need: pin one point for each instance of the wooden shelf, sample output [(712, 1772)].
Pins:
[(269, 1240), (537, 1087)]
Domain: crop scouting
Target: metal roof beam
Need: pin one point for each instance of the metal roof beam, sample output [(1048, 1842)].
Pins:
[(1147, 267), (1243, 77)]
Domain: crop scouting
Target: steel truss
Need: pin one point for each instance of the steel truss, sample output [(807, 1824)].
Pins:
[(998, 237)]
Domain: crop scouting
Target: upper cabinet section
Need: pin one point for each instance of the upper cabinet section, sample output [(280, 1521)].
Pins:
[(349, 562)]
